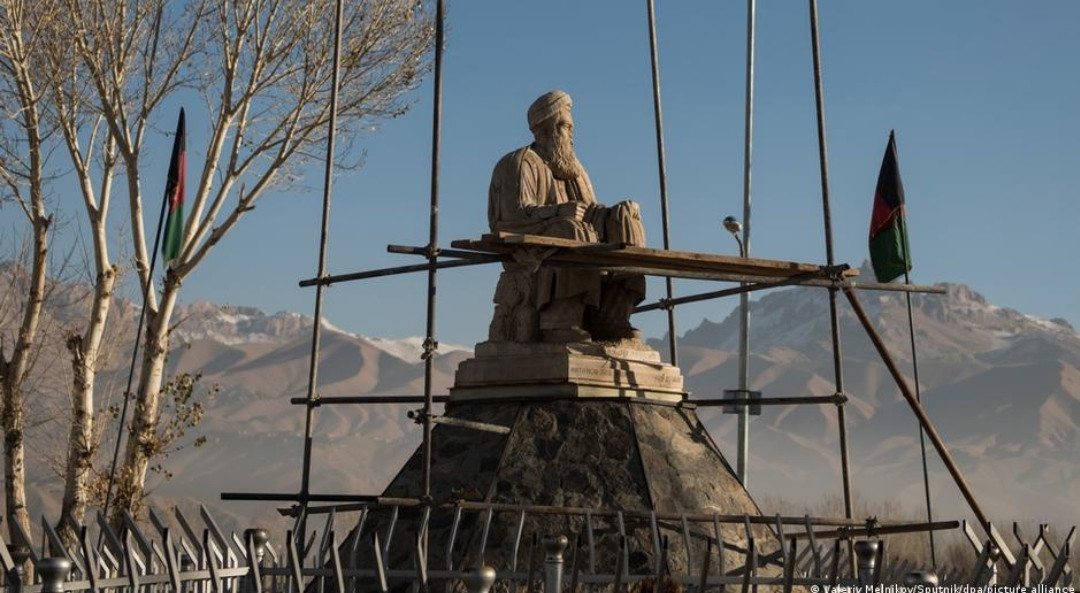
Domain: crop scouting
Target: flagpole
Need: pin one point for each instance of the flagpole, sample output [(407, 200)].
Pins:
[(135, 349), (918, 398), (915, 368)]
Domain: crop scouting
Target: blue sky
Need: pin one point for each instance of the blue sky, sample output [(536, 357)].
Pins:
[(983, 96)]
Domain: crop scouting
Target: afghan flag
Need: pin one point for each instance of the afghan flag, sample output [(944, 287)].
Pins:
[(174, 194), (889, 251)]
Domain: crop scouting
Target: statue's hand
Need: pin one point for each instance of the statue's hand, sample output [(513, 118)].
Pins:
[(574, 210)]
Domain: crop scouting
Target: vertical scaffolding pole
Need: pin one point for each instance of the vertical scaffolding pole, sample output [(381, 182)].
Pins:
[(430, 345), (918, 398), (743, 462), (316, 332), (662, 165), (834, 315)]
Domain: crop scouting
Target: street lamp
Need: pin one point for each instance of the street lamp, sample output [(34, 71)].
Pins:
[(735, 227)]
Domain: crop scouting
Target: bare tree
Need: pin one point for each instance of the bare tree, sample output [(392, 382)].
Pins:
[(263, 68), (102, 73), (96, 140), (43, 59), (23, 29)]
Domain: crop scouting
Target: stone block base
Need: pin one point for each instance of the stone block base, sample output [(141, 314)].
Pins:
[(626, 368)]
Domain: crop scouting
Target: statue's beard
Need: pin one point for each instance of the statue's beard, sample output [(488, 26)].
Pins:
[(561, 158)]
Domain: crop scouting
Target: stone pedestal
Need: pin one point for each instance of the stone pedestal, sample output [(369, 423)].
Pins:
[(600, 426), (510, 370), (610, 454)]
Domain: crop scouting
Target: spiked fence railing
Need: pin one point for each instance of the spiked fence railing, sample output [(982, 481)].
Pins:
[(188, 556)]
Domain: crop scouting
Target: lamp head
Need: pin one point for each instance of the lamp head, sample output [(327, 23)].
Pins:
[(733, 225)]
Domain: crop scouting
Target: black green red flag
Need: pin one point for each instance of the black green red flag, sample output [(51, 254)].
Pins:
[(889, 253), (174, 194)]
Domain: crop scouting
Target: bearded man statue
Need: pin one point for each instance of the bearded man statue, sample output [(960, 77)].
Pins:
[(542, 189)]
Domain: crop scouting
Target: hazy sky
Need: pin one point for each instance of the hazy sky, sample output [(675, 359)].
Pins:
[(983, 95)]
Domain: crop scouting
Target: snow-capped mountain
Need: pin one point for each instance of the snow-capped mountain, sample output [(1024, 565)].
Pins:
[(234, 325), (961, 320), (231, 324), (1002, 387)]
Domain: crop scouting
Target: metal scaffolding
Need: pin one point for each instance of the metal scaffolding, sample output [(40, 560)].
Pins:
[(183, 561), (750, 274)]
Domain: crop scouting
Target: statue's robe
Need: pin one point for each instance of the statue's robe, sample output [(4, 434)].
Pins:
[(524, 197)]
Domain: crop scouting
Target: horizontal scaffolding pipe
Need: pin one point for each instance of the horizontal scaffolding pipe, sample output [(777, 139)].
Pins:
[(366, 502), (471, 424), (446, 399), (707, 296), (755, 283), (892, 287), (458, 253), (864, 531), (295, 497), (369, 399), (836, 399), (333, 279), (767, 281)]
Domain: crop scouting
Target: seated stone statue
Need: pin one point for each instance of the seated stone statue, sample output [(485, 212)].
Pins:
[(542, 189)]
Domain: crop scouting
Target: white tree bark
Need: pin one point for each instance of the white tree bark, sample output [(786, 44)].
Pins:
[(264, 70), (116, 70), (86, 348), (25, 178)]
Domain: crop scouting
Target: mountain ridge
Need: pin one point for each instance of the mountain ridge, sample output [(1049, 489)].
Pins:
[(1002, 387)]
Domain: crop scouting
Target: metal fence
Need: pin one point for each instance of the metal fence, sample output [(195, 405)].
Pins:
[(383, 549)]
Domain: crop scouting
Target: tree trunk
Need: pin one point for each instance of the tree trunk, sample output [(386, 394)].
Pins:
[(15, 372), (143, 443), (85, 353), (14, 421), (86, 348)]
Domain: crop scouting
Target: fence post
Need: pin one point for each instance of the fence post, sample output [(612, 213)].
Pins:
[(186, 565), (866, 558), (553, 562), (479, 580), (921, 578), (254, 550), (259, 536), (17, 576), (255, 539), (54, 572)]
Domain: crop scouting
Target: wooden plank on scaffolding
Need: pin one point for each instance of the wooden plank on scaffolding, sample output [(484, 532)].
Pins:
[(618, 255)]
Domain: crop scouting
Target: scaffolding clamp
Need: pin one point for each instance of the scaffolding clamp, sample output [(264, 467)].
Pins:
[(430, 346)]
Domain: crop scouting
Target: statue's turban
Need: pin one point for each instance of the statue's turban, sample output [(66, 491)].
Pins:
[(547, 106)]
